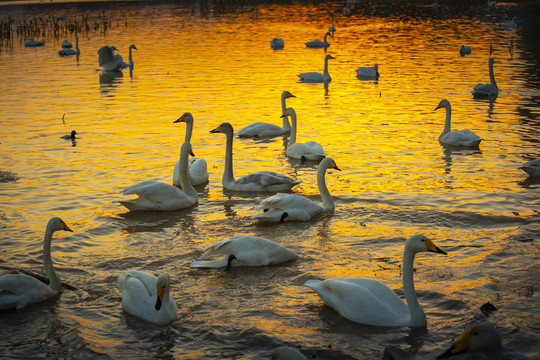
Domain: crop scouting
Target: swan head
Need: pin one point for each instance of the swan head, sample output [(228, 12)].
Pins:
[(73, 133), (329, 163), (289, 112), (328, 57), (57, 224), (162, 287), (224, 128), (482, 338), (420, 243), (287, 94), (186, 117), (132, 47), (187, 149), (443, 104)]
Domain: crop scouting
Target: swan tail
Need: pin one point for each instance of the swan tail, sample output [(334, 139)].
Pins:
[(210, 264)]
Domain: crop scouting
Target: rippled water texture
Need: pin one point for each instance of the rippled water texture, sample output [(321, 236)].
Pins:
[(214, 60)]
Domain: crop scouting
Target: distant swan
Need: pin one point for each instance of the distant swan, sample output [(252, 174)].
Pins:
[(310, 150), (265, 130), (464, 50), (532, 168), (291, 207), (34, 43), (71, 136), (259, 181), (110, 61), (245, 251), (66, 44), (147, 296), (370, 302), (198, 170), (487, 90), (67, 51), (457, 138), (155, 195), (368, 72), (20, 290), (511, 24), (277, 43), (491, 3), (315, 76), (318, 43), (332, 29)]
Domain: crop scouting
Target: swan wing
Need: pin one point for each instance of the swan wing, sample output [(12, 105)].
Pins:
[(484, 90), (260, 129), (461, 138), (532, 168), (19, 290), (105, 55), (366, 72), (268, 180), (154, 195), (310, 151), (198, 171), (311, 76)]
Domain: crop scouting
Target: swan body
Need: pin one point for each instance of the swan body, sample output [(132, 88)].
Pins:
[(155, 195), (66, 51), (266, 130), (368, 72), (318, 43), (71, 136), (259, 181), (487, 90), (147, 296), (511, 24), (291, 207), (370, 302), (110, 61), (464, 50), (287, 353), (198, 169), (479, 338), (66, 44), (247, 251), (277, 43), (19, 290), (310, 150), (316, 76), (532, 168), (457, 138), (34, 43)]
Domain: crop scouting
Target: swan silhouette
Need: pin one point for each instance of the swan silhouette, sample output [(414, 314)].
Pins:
[(67, 51), (487, 90), (277, 43), (532, 167), (368, 72), (316, 76), (456, 138), (316, 44), (110, 61)]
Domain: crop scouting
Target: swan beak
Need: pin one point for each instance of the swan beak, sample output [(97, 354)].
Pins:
[(180, 119), (66, 228), (438, 107), (229, 262), (434, 248), (214, 131), (283, 216), (291, 95), (160, 292), (336, 167), (461, 345), (192, 154)]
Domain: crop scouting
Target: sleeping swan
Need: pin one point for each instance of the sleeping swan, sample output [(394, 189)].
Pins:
[(291, 207), (370, 302), (259, 181), (20, 290), (457, 138), (245, 251), (198, 170), (368, 72), (147, 296), (310, 150), (316, 76), (487, 90)]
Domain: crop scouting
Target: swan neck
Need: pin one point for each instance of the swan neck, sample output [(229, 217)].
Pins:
[(187, 188), (418, 318), (130, 58), (189, 131), (326, 66), (55, 282), (492, 76), (228, 173), (447, 121), (327, 201), (292, 138), (286, 124), (325, 35)]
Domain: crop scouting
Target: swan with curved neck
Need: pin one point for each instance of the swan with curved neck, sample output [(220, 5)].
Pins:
[(266, 130), (155, 195), (20, 290), (130, 64), (68, 51), (310, 150), (316, 76), (487, 90), (370, 302), (147, 296), (457, 138), (291, 207), (318, 43), (259, 181), (198, 169)]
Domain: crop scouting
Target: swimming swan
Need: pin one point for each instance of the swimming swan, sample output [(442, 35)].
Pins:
[(479, 338), (318, 43), (20, 290), (245, 251), (66, 51), (464, 50), (532, 168), (511, 24), (370, 302), (310, 150), (266, 130), (315, 76), (155, 195), (147, 296), (198, 170), (110, 61), (259, 181), (457, 138), (277, 43), (368, 72), (486, 90), (291, 207)]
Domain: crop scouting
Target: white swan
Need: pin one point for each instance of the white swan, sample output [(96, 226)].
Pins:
[(318, 43), (370, 302), (310, 150), (532, 168), (368, 72), (20, 290), (464, 50), (198, 170), (315, 76), (114, 62), (259, 181), (486, 90), (266, 130), (147, 296), (511, 24), (155, 195), (277, 43), (479, 338), (67, 51), (291, 207), (457, 138), (245, 251), (287, 353)]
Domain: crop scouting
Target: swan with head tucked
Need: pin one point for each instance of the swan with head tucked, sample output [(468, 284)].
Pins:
[(481, 339), (310, 150), (155, 195), (316, 76), (487, 90), (245, 251), (66, 51), (266, 130), (20, 290), (198, 170), (110, 61), (368, 72), (532, 168), (277, 43), (457, 138), (259, 181), (370, 302), (318, 43), (291, 207), (464, 50), (147, 296)]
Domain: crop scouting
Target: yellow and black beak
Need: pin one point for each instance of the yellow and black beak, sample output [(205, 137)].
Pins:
[(180, 119), (461, 345), (159, 300), (433, 248)]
